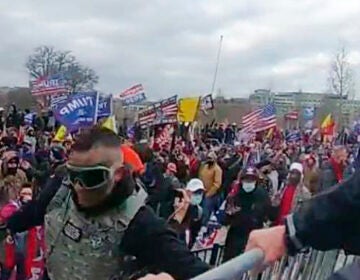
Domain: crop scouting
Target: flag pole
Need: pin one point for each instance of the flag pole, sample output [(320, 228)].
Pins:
[(217, 65), (96, 107), (111, 105)]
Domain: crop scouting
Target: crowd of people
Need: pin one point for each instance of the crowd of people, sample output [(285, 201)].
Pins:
[(80, 200)]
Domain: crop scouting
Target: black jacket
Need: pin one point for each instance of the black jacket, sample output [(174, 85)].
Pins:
[(148, 238), (330, 220), (244, 213)]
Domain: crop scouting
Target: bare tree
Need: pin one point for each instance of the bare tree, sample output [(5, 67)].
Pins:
[(341, 74), (47, 61), (341, 79)]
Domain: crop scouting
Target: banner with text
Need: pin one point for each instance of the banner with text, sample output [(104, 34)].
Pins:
[(78, 111), (48, 85), (104, 108), (132, 95), (162, 112)]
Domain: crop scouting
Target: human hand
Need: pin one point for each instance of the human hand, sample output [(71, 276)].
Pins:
[(182, 201), (161, 276), (181, 206), (271, 241)]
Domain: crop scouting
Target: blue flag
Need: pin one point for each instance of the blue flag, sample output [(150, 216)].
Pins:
[(309, 113), (131, 132), (77, 111), (104, 108), (293, 136), (28, 118)]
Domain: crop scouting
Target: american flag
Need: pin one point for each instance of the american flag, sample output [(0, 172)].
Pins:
[(292, 115), (259, 120), (164, 137), (48, 85), (56, 99), (294, 136), (132, 95), (162, 112)]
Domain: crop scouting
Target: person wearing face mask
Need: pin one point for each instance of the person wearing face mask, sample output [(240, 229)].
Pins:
[(247, 208), (294, 193), (26, 194), (10, 164), (210, 174), (10, 141), (30, 138), (188, 213), (97, 216)]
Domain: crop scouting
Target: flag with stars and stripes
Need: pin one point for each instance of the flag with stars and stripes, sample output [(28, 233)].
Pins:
[(259, 120)]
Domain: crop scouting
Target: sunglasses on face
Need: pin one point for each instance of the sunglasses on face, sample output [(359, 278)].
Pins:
[(89, 177)]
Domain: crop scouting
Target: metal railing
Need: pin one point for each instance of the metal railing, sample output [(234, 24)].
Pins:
[(311, 265)]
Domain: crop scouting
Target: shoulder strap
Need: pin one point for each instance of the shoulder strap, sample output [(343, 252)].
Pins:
[(60, 196)]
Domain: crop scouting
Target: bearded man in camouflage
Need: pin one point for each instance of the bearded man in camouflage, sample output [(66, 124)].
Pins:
[(95, 218)]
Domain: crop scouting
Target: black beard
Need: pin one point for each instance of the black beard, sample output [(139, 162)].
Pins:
[(121, 191), (294, 181), (11, 171)]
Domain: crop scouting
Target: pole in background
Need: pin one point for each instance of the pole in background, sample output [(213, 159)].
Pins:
[(217, 64), (96, 107)]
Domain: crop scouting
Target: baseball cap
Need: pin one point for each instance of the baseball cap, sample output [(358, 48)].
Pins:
[(195, 185), (250, 172), (297, 166)]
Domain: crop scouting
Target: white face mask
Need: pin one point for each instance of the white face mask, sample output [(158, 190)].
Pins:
[(248, 186), (196, 199)]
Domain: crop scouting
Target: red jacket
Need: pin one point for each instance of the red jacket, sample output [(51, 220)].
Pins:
[(286, 204)]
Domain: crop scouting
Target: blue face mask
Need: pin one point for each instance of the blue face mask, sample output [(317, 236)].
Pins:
[(196, 199)]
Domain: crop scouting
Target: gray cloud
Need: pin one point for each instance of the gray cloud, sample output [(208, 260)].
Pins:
[(170, 46)]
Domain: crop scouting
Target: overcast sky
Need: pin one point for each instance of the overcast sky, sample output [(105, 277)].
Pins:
[(170, 46)]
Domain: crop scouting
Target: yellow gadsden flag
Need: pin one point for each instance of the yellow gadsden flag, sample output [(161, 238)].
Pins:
[(60, 134), (188, 109), (110, 123)]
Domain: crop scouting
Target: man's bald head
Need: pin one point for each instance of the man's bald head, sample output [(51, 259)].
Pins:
[(96, 137)]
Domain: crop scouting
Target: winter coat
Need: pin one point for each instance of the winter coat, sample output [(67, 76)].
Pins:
[(211, 176), (231, 171), (311, 179), (244, 213), (167, 195), (191, 222), (292, 198), (229, 136), (153, 180), (328, 177), (328, 221)]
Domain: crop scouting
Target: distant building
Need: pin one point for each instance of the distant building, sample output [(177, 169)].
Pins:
[(323, 103)]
